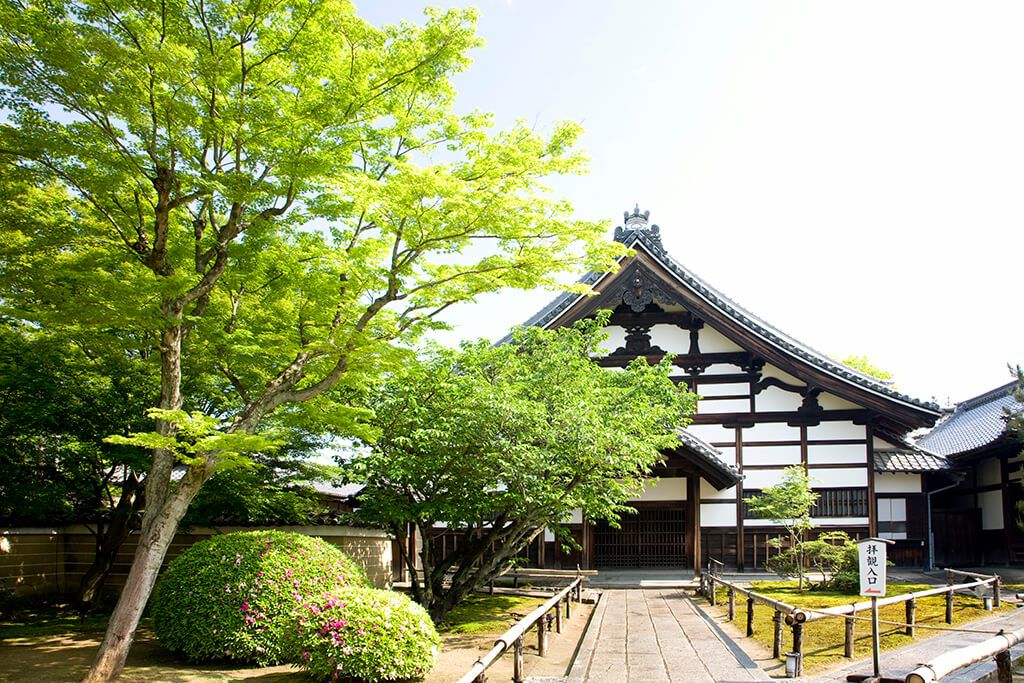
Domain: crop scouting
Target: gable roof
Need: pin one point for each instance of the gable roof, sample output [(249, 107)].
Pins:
[(908, 460), (708, 459), (768, 341), (973, 424)]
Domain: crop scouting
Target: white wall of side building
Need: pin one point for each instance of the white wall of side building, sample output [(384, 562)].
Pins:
[(897, 482), (667, 488)]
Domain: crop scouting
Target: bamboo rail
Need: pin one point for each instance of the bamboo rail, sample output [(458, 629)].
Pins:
[(796, 617), (948, 662), (514, 636)]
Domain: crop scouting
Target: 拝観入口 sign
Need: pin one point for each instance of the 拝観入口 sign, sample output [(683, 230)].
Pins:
[(871, 554)]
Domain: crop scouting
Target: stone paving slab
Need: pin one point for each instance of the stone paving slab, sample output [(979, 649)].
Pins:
[(654, 636)]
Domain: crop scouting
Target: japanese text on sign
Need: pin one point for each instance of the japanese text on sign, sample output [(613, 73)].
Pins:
[(871, 554)]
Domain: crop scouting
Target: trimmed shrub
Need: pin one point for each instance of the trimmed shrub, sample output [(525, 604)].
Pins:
[(364, 633), (231, 596)]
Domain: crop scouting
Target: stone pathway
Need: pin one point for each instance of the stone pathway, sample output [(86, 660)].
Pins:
[(656, 636)]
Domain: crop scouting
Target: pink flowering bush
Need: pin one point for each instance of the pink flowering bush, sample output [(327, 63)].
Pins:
[(231, 597), (362, 633)]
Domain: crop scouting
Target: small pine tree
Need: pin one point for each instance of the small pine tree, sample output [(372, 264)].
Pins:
[(789, 504)]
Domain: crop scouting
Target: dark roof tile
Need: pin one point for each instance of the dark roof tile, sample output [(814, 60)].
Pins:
[(974, 423)]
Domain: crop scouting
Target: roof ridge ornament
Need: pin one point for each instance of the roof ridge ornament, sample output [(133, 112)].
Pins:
[(635, 223)]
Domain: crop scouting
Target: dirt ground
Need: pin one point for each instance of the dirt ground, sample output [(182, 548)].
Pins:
[(59, 659)]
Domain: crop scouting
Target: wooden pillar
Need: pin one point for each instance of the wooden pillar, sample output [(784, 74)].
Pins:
[(1009, 521), (911, 614), (693, 519), (540, 550), (849, 637), (517, 661), (777, 635), (872, 503), (750, 617), (740, 540), (1004, 667)]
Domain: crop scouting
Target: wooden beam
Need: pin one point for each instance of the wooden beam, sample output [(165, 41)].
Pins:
[(693, 519)]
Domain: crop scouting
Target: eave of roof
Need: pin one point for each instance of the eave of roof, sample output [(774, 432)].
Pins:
[(908, 460), (708, 459), (974, 424), (928, 411)]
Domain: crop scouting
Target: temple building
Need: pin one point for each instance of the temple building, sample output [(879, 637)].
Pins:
[(767, 401)]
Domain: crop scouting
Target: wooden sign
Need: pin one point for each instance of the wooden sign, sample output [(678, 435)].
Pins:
[(871, 553)]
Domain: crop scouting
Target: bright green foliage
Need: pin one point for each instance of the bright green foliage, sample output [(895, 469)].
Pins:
[(833, 555), (864, 364), (362, 633), (788, 504), (499, 442), (230, 596), (270, 194)]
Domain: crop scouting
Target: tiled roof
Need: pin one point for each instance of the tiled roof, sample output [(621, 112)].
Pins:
[(974, 423), (908, 460), (738, 313), (709, 453)]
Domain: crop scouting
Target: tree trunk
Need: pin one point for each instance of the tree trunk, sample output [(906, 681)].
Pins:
[(153, 544), (109, 541)]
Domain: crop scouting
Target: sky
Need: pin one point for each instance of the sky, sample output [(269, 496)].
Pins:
[(852, 173)]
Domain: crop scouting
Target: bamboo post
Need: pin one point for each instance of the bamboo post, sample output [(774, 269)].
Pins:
[(997, 593), (777, 635), (849, 636), (949, 606), (558, 618), (542, 636), (732, 604), (517, 661), (911, 607), (1004, 667), (798, 647), (750, 617)]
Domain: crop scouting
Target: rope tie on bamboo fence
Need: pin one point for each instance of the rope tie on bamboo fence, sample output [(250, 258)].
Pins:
[(916, 624)]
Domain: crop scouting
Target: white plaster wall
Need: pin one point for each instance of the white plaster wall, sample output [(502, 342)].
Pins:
[(730, 405), (771, 455), (668, 488), (840, 477), (772, 371), (771, 431), (989, 472), (711, 341), (708, 492), (712, 433), (897, 482), (616, 338), (732, 389), (575, 517), (721, 369), (670, 338), (883, 445), (760, 479), (821, 454), (833, 402), (777, 399), (836, 430), (718, 514), (991, 504)]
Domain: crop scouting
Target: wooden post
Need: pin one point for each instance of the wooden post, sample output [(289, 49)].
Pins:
[(911, 607), (515, 577), (542, 636), (517, 661), (558, 618), (849, 636), (568, 606), (777, 636), (732, 604), (798, 646), (750, 617), (949, 606), (997, 593), (492, 587), (1004, 667), (713, 595)]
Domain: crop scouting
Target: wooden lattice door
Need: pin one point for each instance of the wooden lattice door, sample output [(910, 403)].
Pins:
[(650, 538)]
